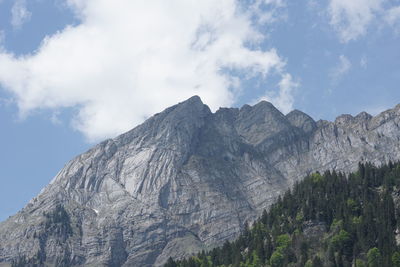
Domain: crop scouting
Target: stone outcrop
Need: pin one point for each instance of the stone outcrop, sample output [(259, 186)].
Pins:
[(186, 179)]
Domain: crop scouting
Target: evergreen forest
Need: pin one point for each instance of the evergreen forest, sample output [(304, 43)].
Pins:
[(329, 219)]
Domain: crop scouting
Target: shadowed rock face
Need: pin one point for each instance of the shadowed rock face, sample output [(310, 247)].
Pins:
[(186, 179)]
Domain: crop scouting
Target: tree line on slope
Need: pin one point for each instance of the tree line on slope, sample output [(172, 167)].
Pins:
[(329, 220)]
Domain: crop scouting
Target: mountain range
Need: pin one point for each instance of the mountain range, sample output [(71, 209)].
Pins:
[(185, 180)]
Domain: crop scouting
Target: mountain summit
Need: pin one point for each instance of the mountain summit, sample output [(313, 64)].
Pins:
[(185, 180)]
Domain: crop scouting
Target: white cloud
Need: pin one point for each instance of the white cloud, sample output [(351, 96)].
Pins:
[(19, 14), (350, 18), (364, 62), (392, 16), (341, 69), (269, 11), (5, 102), (283, 100), (129, 59), (55, 118)]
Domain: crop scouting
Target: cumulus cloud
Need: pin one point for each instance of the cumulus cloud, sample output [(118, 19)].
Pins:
[(19, 14), (350, 18), (341, 69), (128, 59), (283, 99)]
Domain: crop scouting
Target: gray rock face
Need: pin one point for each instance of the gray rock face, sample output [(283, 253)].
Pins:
[(186, 179)]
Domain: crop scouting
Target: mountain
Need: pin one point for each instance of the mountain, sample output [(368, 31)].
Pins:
[(325, 220), (185, 180)]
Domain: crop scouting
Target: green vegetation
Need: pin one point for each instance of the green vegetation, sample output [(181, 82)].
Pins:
[(325, 220)]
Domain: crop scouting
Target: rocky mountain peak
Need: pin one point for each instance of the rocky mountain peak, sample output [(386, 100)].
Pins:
[(185, 180), (363, 116), (344, 119), (184, 116), (169, 126), (301, 120), (258, 122), (347, 120)]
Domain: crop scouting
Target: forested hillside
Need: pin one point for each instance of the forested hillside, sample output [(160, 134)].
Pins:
[(325, 220)]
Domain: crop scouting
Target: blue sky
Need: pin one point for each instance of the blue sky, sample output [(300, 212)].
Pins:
[(75, 72)]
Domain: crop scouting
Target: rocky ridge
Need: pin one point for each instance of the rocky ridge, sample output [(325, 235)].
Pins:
[(184, 180)]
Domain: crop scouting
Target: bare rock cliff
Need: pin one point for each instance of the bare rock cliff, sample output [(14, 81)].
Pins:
[(186, 179)]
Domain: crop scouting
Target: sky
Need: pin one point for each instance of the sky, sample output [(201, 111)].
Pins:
[(76, 72)]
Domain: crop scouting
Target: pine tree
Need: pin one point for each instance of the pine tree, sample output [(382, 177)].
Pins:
[(171, 263), (374, 258), (358, 212), (396, 259), (317, 262), (277, 259)]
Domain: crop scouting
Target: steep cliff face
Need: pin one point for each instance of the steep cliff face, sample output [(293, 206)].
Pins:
[(184, 180)]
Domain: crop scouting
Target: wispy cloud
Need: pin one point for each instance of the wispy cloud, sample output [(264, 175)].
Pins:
[(6, 102), (55, 118), (283, 99), (392, 17), (342, 68), (116, 70), (364, 62), (20, 14), (350, 18), (269, 11)]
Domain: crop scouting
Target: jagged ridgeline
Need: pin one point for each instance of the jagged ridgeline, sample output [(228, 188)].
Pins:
[(325, 220), (186, 180)]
